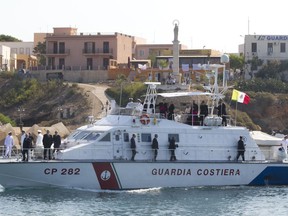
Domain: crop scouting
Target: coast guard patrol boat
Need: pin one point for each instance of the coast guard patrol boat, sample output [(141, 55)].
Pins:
[(97, 155)]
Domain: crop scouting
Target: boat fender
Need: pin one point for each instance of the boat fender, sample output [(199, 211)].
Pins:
[(145, 119)]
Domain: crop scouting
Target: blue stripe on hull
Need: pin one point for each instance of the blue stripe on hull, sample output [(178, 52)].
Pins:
[(271, 176)]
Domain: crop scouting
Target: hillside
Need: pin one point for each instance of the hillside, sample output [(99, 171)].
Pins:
[(45, 103), (49, 103)]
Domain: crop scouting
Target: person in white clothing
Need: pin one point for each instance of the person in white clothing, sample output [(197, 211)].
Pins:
[(284, 144), (9, 142), (39, 140), (38, 145)]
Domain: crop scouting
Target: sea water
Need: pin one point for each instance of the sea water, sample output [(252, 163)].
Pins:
[(155, 201)]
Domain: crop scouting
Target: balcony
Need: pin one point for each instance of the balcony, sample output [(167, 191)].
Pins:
[(97, 52), (51, 52)]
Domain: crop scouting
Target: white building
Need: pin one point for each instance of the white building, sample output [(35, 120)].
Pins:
[(265, 47), (20, 47), (5, 55), (20, 55)]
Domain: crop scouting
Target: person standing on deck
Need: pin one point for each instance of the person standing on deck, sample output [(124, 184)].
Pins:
[(133, 147), (284, 144), (9, 142), (38, 144), (27, 144), (241, 149), (222, 112), (203, 112), (172, 147), (155, 146), (23, 135), (47, 142), (57, 142)]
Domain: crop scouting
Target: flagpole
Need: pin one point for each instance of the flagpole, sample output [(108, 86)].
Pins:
[(236, 114)]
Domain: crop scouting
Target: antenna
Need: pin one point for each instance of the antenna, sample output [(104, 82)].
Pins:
[(248, 26)]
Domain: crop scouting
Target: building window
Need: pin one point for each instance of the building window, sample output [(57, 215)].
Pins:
[(61, 63), (55, 48), (89, 63), (282, 47), (61, 47), (105, 47), (21, 51), (269, 48), (141, 53), (254, 47), (14, 51), (106, 63), (27, 51), (89, 47)]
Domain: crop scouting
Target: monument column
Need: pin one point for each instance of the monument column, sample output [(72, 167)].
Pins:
[(175, 66)]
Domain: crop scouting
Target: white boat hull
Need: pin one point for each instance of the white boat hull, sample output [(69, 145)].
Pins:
[(134, 175)]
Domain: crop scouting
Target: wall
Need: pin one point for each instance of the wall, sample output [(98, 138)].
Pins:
[(84, 76)]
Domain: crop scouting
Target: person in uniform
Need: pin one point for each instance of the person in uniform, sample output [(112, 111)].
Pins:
[(133, 147), (203, 112), (155, 146), (47, 142), (284, 144), (56, 141), (172, 147), (222, 112), (38, 144), (27, 144), (23, 135), (9, 142), (241, 149)]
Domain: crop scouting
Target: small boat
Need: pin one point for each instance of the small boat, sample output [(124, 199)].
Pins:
[(98, 155)]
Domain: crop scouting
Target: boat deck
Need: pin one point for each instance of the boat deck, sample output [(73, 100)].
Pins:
[(17, 160)]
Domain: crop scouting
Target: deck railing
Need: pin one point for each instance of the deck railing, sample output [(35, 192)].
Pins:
[(146, 153)]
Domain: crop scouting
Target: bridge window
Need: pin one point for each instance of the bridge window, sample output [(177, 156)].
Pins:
[(106, 138), (176, 137), (126, 137), (146, 137), (282, 47)]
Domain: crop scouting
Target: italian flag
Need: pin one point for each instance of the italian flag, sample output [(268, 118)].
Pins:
[(240, 97)]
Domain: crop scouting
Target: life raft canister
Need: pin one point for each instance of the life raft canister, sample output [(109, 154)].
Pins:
[(145, 119)]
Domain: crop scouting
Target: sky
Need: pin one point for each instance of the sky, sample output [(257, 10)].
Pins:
[(210, 24)]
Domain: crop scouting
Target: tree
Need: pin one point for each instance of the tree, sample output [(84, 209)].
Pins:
[(152, 57), (255, 62), (163, 63), (270, 70), (236, 62), (39, 51), (7, 38)]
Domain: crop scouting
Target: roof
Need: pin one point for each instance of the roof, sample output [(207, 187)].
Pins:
[(182, 94), (262, 138)]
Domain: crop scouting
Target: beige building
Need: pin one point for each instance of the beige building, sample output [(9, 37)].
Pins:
[(39, 38), (66, 49)]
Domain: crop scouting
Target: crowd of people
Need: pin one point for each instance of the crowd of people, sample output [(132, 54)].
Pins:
[(172, 146), (155, 146), (194, 114), (31, 148)]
